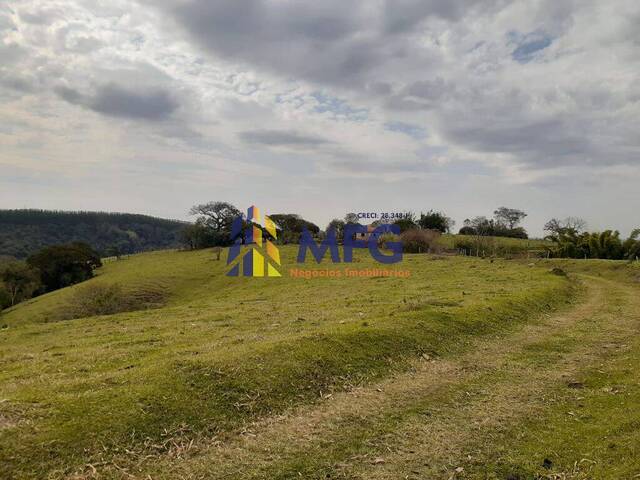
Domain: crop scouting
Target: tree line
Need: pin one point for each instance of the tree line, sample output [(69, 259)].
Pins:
[(572, 240), (568, 237), (52, 268), (212, 227), (24, 232)]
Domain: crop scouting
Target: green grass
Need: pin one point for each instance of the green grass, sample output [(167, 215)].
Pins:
[(499, 421), (590, 426), (224, 351)]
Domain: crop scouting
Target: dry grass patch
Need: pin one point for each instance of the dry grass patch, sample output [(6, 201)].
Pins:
[(99, 299)]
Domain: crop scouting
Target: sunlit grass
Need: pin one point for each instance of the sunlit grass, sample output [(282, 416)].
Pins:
[(223, 351)]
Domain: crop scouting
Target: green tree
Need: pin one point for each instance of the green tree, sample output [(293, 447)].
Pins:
[(557, 227), (509, 217), (5, 298), (433, 220), (483, 227), (113, 251), (604, 245), (213, 225), (62, 265), (406, 224), (351, 218), (197, 236), (20, 281), (24, 232), (291, 226), (631, 246), (218, 216), (338, 226)]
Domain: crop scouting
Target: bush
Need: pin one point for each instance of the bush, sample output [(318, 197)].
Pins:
[(420, 241), (99, 299), (465, 244)]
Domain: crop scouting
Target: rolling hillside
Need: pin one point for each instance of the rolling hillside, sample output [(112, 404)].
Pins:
[(323, 378), (23, 232)]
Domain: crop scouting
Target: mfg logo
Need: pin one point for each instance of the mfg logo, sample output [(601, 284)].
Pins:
[(355, 236), (261, 258)]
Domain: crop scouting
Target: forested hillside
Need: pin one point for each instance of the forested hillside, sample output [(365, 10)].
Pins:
[(23, 232)]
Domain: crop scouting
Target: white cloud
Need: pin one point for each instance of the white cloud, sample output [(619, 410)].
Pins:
[(424, 103)]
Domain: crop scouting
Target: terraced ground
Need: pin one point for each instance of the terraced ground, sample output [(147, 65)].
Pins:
[(469, 369)]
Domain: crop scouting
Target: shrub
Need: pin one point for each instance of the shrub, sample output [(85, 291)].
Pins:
[(100, 299), (479, 245), (466, 244), (420, 241)]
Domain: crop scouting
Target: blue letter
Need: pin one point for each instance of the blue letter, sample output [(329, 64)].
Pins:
[(395, 247), (306, 241), (350, 241)]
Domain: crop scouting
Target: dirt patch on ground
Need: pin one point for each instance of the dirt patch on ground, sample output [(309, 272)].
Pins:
[(9, 417), (6, 422)]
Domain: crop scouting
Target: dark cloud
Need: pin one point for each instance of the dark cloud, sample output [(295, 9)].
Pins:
[(155, 104), (542, 144), (403, 15), (20, 83), (319, 41), (281, 138), (117, 101), (400, 55), (70, 95)]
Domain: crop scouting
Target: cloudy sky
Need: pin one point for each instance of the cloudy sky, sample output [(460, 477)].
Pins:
[(323, 107)]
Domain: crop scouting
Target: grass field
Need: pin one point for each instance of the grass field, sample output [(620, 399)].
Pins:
[(469, 369)]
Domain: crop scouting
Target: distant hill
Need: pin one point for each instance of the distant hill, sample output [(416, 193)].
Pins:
[(23, 232)]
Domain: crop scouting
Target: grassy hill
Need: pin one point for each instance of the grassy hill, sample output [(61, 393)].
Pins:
[(176, 391), (23, 232)]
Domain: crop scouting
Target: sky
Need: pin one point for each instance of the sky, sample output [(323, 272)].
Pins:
[(323, 107)]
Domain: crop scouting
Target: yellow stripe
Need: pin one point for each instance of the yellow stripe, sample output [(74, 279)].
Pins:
[(272, 272), (273, 252), (258, 264), (270, 226)]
